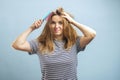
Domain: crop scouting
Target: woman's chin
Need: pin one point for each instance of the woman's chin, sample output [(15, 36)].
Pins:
[(57, 34)]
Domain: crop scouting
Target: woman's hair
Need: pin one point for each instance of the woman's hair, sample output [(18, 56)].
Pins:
[(46, 38)]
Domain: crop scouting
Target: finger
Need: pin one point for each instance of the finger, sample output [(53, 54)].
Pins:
[(35, 24), (67, 18), (39, 22), (64, 16), (64, 13)]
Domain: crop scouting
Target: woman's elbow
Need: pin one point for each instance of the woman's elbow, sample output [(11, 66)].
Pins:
[(94, 34), (15, 46)]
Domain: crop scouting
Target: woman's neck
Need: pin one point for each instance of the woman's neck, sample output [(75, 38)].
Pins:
[(58, 38)]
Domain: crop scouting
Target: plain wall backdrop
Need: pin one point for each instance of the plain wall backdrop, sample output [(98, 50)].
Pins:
[(100, 60)]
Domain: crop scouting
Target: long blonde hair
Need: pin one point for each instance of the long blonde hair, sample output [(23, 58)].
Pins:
[(46, 38)]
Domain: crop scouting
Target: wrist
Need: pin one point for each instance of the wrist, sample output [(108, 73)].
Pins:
[(73, 22), (32, 28)]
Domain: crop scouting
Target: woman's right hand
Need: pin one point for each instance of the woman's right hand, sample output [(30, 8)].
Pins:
[(36, 24)]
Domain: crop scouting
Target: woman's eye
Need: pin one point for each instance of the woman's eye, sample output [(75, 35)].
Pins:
[(60, 22), (52, 22)]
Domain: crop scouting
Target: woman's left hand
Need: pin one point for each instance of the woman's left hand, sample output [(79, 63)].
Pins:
[(68, 17)]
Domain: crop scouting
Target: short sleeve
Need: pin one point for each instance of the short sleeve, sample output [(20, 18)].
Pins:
[(34, 46), (78, 45)]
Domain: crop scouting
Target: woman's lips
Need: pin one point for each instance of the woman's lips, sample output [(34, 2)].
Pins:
[(56, 30)]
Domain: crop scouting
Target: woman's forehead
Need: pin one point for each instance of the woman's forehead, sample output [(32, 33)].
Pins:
[(57, 18)]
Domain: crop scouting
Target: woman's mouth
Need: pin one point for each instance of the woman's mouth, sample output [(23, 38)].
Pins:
[(56, 30)]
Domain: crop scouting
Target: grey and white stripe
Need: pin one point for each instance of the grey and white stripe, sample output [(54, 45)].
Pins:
[(61, 64)]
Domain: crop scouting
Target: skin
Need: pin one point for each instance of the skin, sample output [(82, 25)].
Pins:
[(56, 28)]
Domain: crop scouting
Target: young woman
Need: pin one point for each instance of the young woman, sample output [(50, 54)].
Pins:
[(57, 46)]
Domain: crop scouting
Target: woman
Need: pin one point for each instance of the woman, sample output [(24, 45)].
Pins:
[(57, 46)]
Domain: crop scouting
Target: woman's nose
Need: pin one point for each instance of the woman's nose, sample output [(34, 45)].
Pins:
[(56, 25)]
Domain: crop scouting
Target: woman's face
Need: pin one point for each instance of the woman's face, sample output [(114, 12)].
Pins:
[(56, 26)]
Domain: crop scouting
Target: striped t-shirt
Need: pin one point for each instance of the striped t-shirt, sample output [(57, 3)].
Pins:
[(61, 64)]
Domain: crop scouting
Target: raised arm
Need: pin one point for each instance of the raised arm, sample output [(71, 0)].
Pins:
[(88, 33), (21, 43)]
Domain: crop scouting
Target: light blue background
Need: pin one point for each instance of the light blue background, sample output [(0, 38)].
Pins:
[(100, 60)]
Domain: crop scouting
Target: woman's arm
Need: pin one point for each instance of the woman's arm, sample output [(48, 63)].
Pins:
[(21, 43), (88, 33)]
